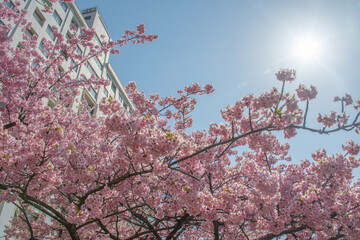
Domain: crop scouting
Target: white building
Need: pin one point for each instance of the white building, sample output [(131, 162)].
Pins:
[(62, 16)]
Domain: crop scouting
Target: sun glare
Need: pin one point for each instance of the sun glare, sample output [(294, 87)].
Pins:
[(307, 48)]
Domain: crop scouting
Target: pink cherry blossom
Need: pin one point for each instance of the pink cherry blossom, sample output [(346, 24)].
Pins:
[(286, 75), (306, 94), (148, 174), (351, 147)]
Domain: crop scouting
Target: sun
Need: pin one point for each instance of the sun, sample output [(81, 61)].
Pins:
[(307, 48)]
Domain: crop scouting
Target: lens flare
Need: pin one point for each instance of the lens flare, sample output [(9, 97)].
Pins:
[(307, 48)]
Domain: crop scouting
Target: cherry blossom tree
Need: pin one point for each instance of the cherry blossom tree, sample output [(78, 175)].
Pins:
[(145, 175)]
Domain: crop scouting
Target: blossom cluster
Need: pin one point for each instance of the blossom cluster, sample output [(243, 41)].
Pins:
[(286, 75), (145, 175)]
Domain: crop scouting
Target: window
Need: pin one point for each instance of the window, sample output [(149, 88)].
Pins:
[(39, 17), (120, 97), (90, 107), (60, 71), (78, 50), (5, 27), (73, 64), (30, 32), (93, 92), (41, 46), (113, 88), (30, 215), (50, 32), (64, 54), (34, 65), (9, 4), (55, 95), (98, 62), (43, 49), (75, 24), (91, 70), (98, 40), (1, 206), (57, 18), (68, 35), (51, 103), (106, 92), (33, 215), (64, 6), (20, 46), (87, 17)]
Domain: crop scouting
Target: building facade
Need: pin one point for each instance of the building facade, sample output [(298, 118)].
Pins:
[(62, 16)]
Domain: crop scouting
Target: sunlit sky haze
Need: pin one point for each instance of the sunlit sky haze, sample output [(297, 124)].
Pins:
[(238, 46)]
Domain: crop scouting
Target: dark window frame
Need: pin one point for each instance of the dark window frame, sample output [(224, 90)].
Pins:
[(50, 32), (43, 49), (64, 6), (39, 17), (57, 17)]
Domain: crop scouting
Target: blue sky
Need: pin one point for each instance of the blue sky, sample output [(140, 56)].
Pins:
[(238, 46)]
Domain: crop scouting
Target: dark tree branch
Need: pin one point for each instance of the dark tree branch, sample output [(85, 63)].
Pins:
[(103, 227), (177, 226), (110, 184), (306, 112), (136, 236), (148, 224), (26, 220), (288, 231), (218, 144), (216, 230)]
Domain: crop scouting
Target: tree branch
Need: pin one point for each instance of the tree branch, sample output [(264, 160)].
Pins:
[(288, 231)]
